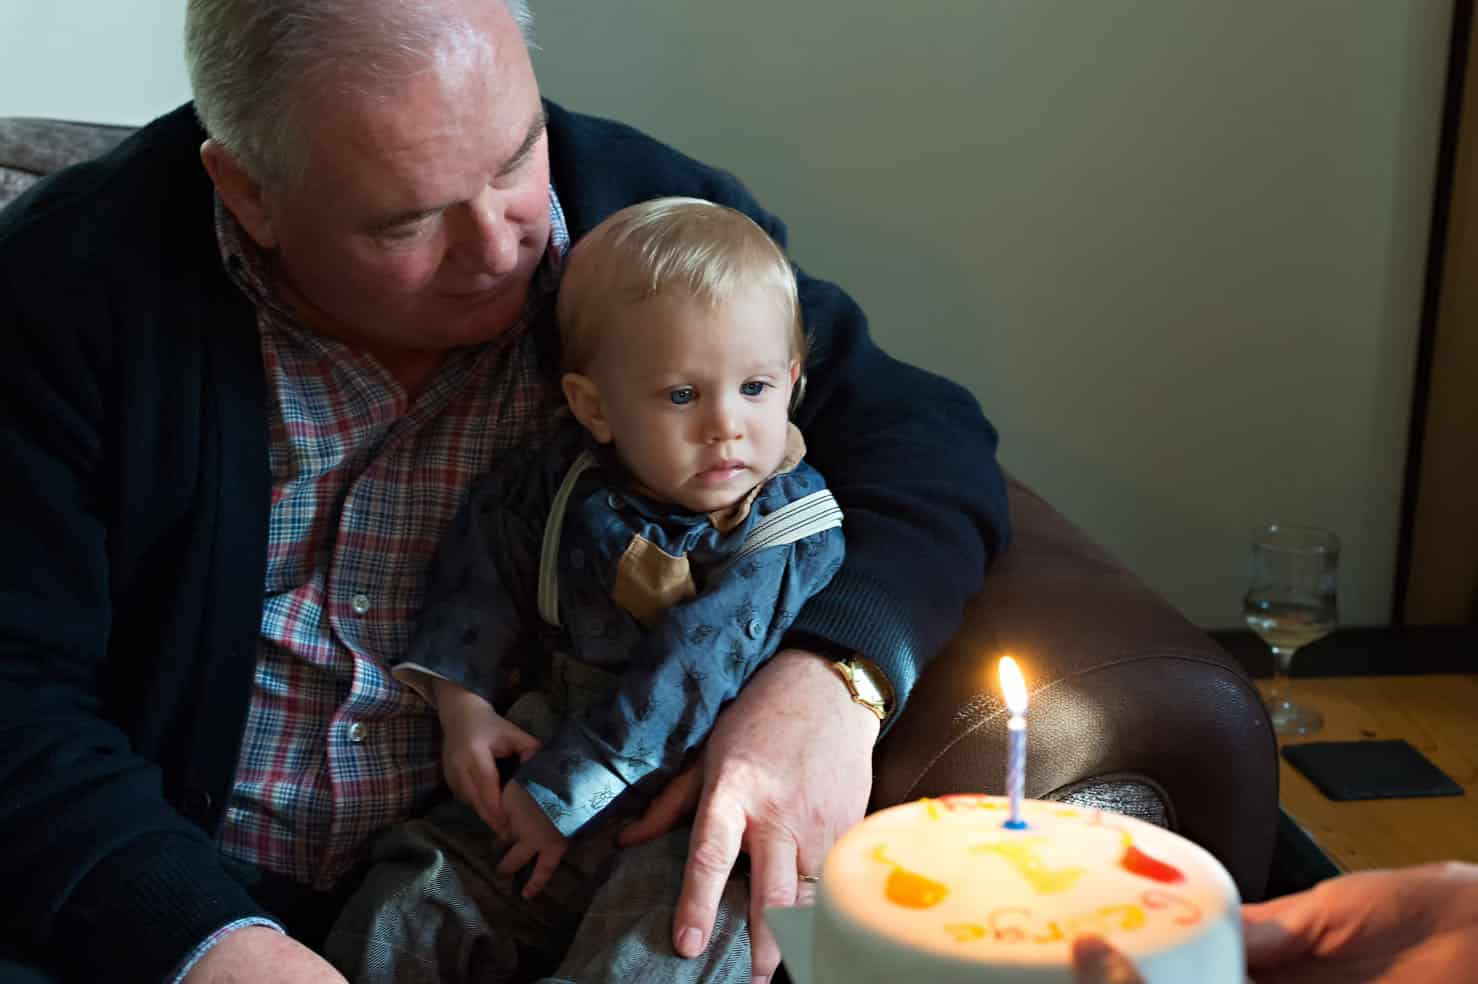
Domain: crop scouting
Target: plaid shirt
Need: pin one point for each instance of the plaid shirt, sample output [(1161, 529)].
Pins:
[(364, 482)]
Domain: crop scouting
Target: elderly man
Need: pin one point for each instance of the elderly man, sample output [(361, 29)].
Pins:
[(249, 372)]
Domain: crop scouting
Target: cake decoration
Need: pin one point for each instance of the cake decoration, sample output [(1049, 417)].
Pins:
[(1189, 913), (1137, 862), (1022, 854), (909, 888)]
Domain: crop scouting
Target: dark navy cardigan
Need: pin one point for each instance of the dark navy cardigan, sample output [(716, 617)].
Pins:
[(135, 485)]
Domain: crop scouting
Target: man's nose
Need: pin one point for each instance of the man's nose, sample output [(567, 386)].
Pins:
[(488, 240)]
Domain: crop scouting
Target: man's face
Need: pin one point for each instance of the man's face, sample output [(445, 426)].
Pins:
[(696, 398), (425, 208)]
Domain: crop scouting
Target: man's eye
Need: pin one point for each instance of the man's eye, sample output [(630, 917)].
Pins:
[(402, 231), (682, 395), (753, 388)]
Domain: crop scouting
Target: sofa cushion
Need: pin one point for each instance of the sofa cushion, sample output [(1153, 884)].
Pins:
[(31, 148), (14, 181)]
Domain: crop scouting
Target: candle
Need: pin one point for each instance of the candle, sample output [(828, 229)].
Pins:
[(1014, 688)]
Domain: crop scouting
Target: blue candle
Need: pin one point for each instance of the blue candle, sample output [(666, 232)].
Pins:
[(1016, 768), (1014, 688)]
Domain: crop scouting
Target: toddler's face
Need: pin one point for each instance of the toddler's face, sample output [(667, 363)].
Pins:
[(696, 398)]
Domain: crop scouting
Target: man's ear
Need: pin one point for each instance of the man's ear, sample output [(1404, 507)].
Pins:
[(583, 396), (240, 192)]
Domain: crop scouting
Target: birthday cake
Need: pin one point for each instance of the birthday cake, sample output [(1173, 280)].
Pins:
[(939, 890)]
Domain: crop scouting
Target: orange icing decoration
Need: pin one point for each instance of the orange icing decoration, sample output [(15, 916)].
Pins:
[(1004, 933), (1113, 916), (1136, 862), (913, 891), (1054, 934), (909, 888), (1014, 924), (965, 932), (1158, 898)]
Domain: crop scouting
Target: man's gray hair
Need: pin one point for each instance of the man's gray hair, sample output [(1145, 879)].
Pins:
[(253, 63)]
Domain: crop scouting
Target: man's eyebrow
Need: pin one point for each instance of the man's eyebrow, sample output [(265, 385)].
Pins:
[(536, 130)]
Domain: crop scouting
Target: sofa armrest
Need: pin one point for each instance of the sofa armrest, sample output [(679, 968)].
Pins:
[(1121, 685)]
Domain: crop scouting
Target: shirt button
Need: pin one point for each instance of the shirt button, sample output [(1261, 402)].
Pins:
[(357, 731), (754, 628), (360, 603)]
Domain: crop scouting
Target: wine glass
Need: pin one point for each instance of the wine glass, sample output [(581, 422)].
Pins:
[(1293, 575)]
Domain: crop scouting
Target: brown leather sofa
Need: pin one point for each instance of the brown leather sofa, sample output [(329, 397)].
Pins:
[(1133, 708)]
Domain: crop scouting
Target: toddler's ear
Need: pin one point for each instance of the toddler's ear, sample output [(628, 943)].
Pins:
[(797, 385), (583, 396)]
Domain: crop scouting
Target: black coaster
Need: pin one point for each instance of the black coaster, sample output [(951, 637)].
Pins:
[(1361, 770)]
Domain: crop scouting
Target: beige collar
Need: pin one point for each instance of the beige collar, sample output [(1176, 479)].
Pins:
[(725, 520)]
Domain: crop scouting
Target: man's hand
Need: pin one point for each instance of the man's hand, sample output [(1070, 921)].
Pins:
[(261, 955), (533, 836), (786, 769), (474, 737), (1411, 925)]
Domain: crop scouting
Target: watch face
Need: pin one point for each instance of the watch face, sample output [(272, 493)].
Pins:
[(865, 685)]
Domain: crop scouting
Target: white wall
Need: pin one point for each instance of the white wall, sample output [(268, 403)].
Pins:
[(1174, 246), (108, 61)]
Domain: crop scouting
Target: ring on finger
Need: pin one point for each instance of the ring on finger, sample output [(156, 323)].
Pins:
[(810, 879)]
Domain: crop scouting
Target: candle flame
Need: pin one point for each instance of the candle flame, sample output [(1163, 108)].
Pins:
[(1012, 685)]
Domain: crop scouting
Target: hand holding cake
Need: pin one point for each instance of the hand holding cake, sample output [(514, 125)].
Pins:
[(1404, 926), (1401, 926)]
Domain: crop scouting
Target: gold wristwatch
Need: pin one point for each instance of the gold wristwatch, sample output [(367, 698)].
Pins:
[(867, 684)]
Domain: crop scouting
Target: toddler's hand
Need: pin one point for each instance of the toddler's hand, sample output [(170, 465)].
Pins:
[(533, 836), (474, 737)]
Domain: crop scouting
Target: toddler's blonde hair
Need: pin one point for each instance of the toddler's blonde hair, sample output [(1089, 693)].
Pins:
[(712, 251)]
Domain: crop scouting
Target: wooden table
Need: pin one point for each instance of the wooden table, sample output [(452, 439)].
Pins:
[(1439, 715)]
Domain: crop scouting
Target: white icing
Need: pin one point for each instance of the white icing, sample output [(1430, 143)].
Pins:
[(968, 894)]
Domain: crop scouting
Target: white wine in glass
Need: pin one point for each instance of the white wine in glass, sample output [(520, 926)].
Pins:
[(1293, 576)]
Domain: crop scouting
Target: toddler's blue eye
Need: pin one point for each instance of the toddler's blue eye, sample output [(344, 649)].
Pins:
[(681, 395), (753, 388)]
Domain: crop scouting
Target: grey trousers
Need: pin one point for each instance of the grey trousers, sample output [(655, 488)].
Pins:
[(432, 910)]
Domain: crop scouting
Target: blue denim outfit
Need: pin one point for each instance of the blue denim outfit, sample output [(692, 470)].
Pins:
[(648, 592)]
